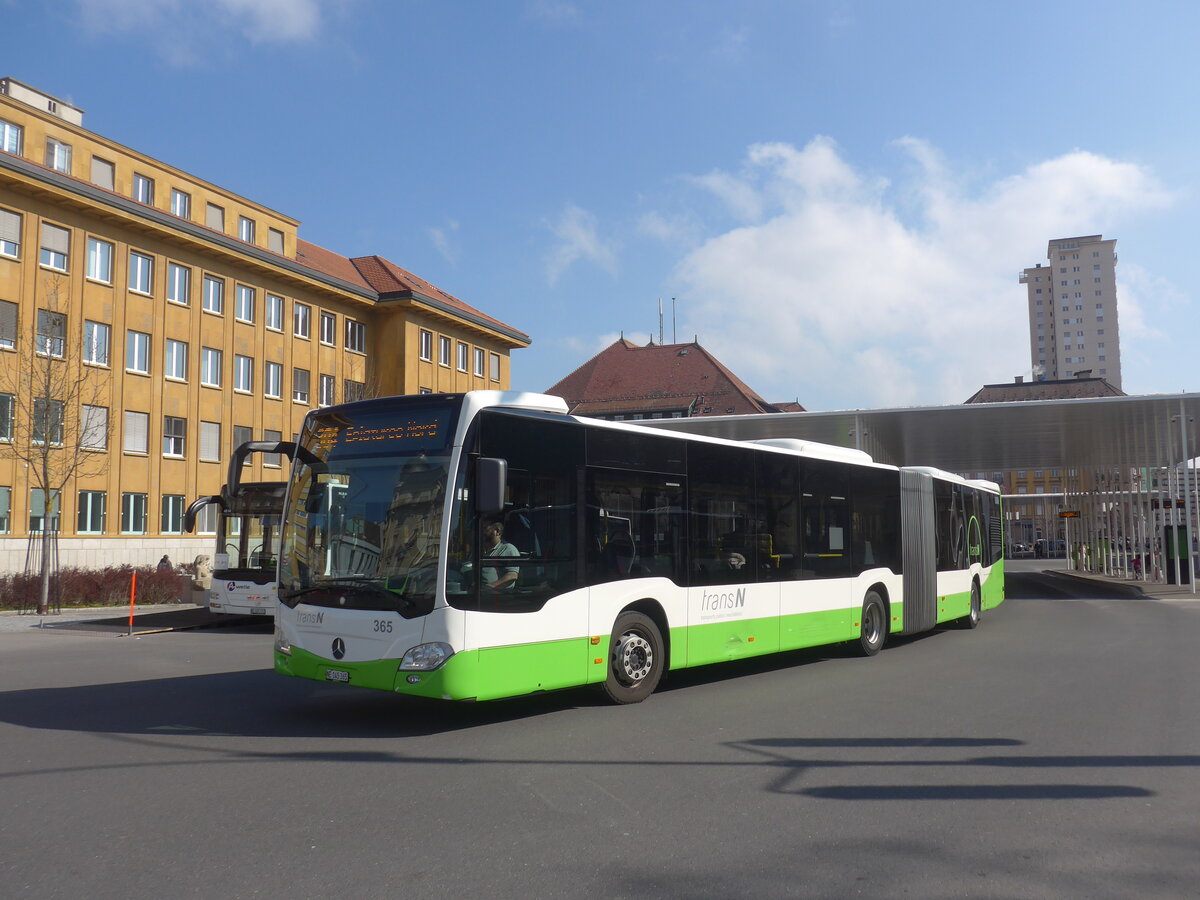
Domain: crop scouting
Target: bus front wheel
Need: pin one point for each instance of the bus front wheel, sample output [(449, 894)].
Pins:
[(971, 619), (635, 659), (874, 625)]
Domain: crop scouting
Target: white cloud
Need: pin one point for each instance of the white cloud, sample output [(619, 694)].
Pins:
[(576, 230), (177, 28), (845, 290), (442, 240), (553, 12)]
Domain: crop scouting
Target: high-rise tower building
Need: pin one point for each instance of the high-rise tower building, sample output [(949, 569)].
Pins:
[(1073, 326)]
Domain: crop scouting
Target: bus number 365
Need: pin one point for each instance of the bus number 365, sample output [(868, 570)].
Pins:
[(383, 626)]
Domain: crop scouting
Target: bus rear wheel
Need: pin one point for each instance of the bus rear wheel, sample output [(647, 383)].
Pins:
[(635, 659), (874, 625)]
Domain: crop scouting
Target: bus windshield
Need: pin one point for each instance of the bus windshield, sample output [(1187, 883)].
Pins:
[(365, 505)]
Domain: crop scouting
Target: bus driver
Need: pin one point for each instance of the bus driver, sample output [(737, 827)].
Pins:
[(504, 578)]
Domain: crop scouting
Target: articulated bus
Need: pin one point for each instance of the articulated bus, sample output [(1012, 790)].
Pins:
[(487, 545), (246, 559)]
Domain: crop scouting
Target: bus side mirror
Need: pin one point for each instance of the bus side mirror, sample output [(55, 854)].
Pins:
[(491, 481)]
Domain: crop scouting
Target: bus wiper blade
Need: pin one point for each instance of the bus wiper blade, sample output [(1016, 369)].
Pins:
[(356, 583), (362, 584)]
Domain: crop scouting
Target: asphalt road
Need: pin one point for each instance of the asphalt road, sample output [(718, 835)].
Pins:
[(1053, 752)]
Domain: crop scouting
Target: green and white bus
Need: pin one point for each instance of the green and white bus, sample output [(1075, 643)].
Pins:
[(635, 551)]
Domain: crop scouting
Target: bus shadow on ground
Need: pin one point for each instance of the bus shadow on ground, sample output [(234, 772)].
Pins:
[(268, 705)]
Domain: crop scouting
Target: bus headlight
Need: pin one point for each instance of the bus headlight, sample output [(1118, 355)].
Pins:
[(282, 645), (426, 657)]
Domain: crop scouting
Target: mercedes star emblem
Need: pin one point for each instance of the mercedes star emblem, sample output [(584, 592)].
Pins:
[(339, 648)]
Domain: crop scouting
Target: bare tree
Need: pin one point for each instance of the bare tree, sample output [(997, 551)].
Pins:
[(60, 414)]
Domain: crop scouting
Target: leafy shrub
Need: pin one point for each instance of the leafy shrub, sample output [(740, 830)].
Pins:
[(96, 587)]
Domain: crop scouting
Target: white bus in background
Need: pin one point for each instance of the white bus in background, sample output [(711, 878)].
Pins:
[(246, 556)]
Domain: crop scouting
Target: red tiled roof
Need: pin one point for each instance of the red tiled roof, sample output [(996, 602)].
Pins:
[(389, 281), (329, 263), (393, 282), (659, 376), (1062, 389)]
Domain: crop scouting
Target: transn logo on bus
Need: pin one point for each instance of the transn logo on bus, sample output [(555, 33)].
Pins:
[(729, 600)]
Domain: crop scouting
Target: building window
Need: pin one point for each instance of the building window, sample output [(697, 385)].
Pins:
[(246, 229), (6, 417), (300, 385), (462, 357), (51, 333), (181, 204), (272, 379), (273, 460), (214, 294), (39, 515), (133, 514), (356, 336), (328, 391), (206, 522), (301, 319), (56, 244), (179, 284), (103, 173), (243, 373), (94, 427), (426, 344), (48, 422), (91, 512), (494, 359), (10, 234), (242, 435), (210, 367), (274, 312), (479, 362), (275, 240), (143, 189), (8, 324), (137, 352), (58, 156), (328, 328), (444, 351), (175, 360), (95, 343), (141, 272), (210, 441), (214, 217), (174, 436), (11, 137), (99, 260), (244, 306), (137, 432), (5, 510), (172, 514), (353, 391)]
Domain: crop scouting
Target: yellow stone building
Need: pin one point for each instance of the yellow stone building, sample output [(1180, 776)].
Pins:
[(186, 319)]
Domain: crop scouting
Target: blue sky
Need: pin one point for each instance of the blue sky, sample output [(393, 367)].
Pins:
[(840, 195)]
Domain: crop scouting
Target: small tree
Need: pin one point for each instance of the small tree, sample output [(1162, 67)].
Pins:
[(60, 415)]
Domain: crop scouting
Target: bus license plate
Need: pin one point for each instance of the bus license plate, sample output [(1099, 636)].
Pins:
[(337, 675)]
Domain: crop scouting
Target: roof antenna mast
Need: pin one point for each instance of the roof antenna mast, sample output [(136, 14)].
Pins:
[(660, 322)]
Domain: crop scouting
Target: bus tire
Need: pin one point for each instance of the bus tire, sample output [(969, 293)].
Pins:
[(635, 658), (874, 625), (971, 619)]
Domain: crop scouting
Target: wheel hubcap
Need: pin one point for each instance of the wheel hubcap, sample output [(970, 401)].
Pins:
[(634, 657), (871, 625)]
